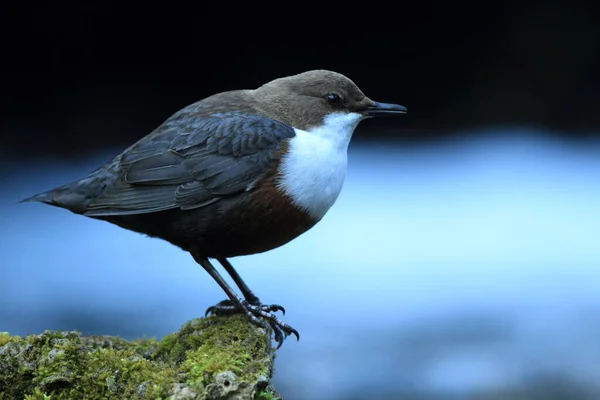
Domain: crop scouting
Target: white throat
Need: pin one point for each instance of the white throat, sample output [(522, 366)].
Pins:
[(314, 169)]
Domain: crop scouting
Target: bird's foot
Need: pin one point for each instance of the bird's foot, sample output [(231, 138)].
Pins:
[(259, 314), (229, 307)]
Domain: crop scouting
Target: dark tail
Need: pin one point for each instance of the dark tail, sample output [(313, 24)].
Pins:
[(66, 196), (46, 197)]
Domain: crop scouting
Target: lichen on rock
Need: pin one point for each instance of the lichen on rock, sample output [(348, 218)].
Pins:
[(208, 358)]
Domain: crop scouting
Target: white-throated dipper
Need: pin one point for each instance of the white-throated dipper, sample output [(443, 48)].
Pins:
[(237, 173)]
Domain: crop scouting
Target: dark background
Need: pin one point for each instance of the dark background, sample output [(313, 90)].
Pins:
[(460, 262), (79, 76)]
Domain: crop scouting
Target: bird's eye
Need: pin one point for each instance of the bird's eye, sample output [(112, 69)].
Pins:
[(334, 98)]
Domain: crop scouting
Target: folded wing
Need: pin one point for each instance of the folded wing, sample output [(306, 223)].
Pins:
[(192, 161)]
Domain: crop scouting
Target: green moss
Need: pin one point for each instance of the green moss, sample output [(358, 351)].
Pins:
[(267, 395), (213, 356), (5, 338), (231, 346), (38, 395), (63, 365)]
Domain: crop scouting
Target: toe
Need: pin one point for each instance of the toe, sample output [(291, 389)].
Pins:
[(275, 308)]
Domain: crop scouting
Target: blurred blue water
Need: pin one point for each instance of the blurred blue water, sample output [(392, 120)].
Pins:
[(450, 269)]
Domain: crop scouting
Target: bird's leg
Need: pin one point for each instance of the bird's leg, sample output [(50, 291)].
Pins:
[(248, 294), (228, 307), (253, 312)]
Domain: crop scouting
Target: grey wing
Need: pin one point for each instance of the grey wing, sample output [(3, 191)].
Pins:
[(191, 161)]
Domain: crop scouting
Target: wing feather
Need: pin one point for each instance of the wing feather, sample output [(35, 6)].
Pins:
[(133, 200), (191, 161)]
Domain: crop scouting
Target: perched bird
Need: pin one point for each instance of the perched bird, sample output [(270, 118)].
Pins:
[(237, 173)]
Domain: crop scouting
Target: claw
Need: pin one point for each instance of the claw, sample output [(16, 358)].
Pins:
[(260, 315), (225, 307), (295, 333), (277, 335), (273, 308)]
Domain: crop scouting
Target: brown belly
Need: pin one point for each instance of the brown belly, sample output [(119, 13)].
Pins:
[(248, 223), (252, 223)]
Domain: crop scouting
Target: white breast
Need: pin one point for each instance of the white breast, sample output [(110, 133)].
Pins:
[(314, 169)]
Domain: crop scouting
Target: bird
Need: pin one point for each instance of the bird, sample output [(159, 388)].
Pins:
[(237, 173)]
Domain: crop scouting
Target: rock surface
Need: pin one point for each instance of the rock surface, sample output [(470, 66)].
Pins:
[(208, 358)]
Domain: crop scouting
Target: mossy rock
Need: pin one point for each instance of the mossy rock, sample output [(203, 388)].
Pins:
[(209, 358)]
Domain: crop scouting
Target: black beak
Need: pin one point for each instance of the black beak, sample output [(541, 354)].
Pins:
[(384, 110)]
